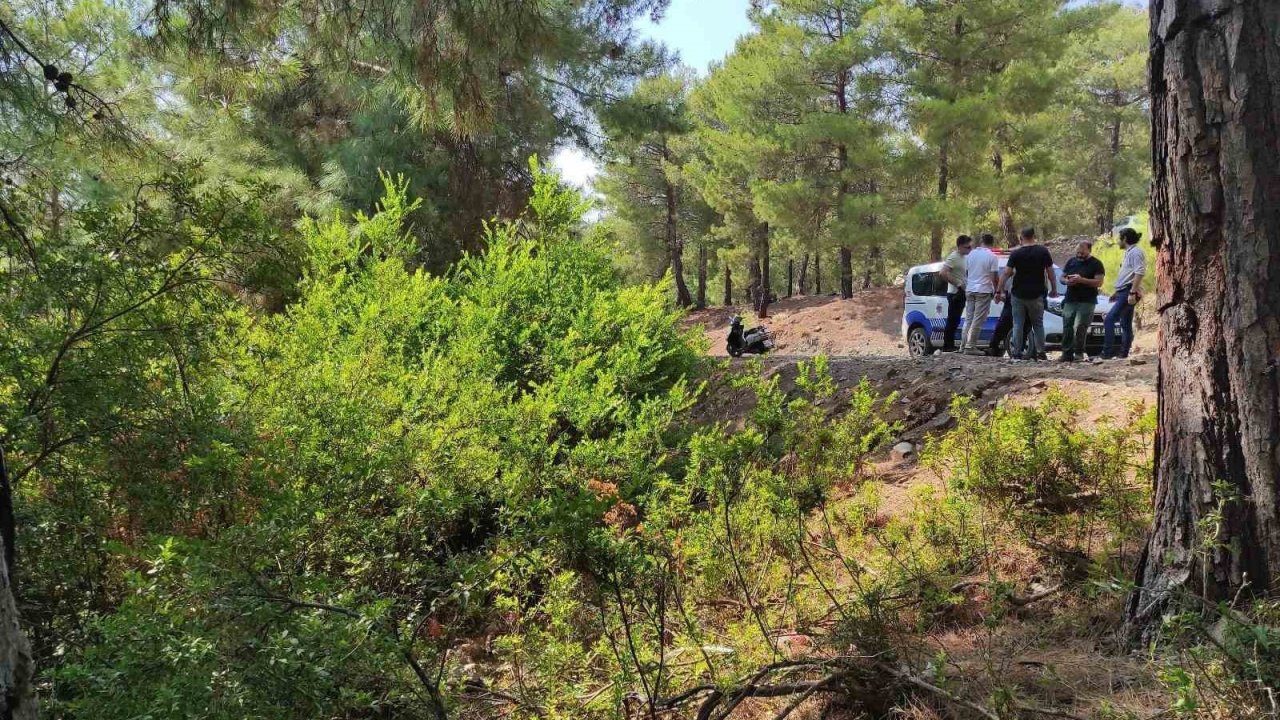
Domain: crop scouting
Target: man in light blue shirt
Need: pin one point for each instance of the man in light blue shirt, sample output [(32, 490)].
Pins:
[(1128, 292)]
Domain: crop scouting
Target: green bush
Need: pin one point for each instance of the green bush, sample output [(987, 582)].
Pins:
[(409, 438), (1058, 485)]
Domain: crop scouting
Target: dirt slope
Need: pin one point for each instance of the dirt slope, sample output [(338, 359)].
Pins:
[(867, 324), (925, 386)]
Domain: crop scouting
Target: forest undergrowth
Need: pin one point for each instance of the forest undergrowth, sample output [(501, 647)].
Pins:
[(485, 495)]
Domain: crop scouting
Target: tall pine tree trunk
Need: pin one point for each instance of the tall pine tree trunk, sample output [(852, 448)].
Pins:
[(1007, 227), (817, 273), (846, 272), (1113, 167), (842, 166), (944, 181), (17, 694), (702, 277), (875, 266), (791, 275), (804, 271), (762, 253), (944, 151), (728, 286), (1216, 220), (675, 245)]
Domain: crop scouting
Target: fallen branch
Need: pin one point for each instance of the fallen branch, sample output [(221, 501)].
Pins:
[(945, 694), (1048, 712), (1018, 600), (819, 686)]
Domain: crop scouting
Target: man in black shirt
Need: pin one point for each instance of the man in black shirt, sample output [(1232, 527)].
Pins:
[(1031, 267), (1082, 276)]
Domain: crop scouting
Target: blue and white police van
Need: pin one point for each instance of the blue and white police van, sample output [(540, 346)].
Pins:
[(924, 313)]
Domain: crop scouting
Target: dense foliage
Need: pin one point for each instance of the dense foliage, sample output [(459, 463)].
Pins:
[(319, 399)]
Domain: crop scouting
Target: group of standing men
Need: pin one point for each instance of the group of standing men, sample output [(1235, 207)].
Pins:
[(975, 280)]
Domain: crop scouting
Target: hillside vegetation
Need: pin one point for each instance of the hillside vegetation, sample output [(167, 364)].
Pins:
[(322, 399)]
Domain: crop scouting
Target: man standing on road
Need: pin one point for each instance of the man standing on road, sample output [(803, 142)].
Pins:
[(1082, 276), (1128, 292), (1031, 267), (1005, 324), (953, 271), (981, 269)]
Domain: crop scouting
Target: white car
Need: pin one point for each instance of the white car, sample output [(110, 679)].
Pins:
[(924, 313)]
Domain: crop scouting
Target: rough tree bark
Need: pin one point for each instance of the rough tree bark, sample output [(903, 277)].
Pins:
[(17, 695), (1215, 83)]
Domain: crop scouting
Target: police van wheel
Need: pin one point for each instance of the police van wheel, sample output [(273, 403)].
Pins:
[(918, 342)]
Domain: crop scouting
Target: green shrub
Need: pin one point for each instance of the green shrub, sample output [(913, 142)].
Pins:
[(410, 438), (1059, 486)]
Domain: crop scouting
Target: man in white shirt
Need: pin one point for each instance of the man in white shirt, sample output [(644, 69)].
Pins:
[(981, 268), (1128, 292)]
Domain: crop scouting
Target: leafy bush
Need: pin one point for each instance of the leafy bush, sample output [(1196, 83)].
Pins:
[(1052, 481), (410, 438)]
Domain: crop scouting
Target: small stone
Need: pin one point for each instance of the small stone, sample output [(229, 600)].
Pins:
[(1137, 361), (902, 451)]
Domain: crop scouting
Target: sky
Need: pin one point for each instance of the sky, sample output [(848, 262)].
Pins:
[(701, 31)]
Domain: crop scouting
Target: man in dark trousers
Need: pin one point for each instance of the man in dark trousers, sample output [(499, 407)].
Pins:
[(1083, 276), (953, 271), (1004, 325), (1027, 274)]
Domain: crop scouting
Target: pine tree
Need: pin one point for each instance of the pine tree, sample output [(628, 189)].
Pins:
[(835, 140), (1105, 128), (732, 110), (656, 213), (455, 95), (948, 57), (1215, 212)]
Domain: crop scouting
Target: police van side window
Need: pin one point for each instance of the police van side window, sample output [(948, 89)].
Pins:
[(926, 284)]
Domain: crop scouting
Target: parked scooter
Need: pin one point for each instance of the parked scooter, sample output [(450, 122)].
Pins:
[(756, 341)]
